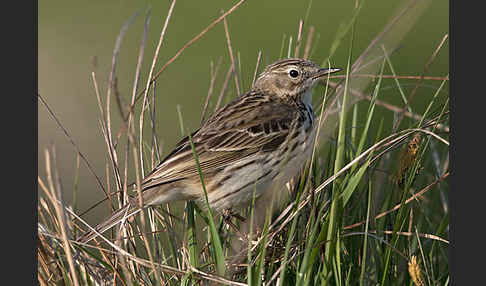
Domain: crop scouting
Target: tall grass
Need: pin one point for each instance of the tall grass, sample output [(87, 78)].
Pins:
[(366, 210)]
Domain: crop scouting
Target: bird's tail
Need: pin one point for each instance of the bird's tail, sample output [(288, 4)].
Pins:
[(117, 217)]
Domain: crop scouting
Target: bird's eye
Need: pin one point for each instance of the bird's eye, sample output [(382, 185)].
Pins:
[(293, 73)]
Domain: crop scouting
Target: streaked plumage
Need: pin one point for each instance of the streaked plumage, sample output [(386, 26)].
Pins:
[(261, 139)]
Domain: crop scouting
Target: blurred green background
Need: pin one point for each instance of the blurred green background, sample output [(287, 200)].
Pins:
[(78, 37)]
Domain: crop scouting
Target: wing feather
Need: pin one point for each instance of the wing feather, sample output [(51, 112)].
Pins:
[(242, 128)]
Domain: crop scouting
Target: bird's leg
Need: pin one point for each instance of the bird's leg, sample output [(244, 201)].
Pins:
[(228, 215)]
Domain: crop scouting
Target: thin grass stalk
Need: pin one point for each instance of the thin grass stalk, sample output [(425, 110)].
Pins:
[(432, 58), (404, 98), (334, 222), (232, 57), (106, 119), (290, 238), (108, 185), (323, 103), (138, 189), (305, 268), (216, 242), (56, 201), (397, 226), (369, 115), (386, 105), (371, 234), (308, 181), (75, 188), (150, 81), (165, 268), (429, 106), (314, 47), (154, 148), (103, 128), (242, 83), (308, 42), (393, 38), (70, 139), (343, 31), (354, 125), (191, 222), (433, 237), (227, 79), (391, 139), (417, 162), (211, 87), (392, 76), (249, 271), (134, 94), (290, 47), (282, 45), (259, 269), (380, 36), (365, 240), (191, 236), (400, 215), (398, 206), (192, 41), (299, 39), (256, 67), (423, 257), (307, 12)]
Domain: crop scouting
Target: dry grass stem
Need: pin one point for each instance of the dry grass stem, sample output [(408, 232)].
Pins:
[(386, 105), (256, 67), (70, 139), (373, 76), (426, 67), (227, 79), (56, 200), (299, 38), (308, 42), (211, 87), (232, 57), (193, 40), (150, 81), (398, 206)]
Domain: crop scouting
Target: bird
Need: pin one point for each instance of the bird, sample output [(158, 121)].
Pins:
[(251, 146)]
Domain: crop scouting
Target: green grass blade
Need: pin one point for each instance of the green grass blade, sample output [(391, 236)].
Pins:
[(304, 275), (404, 98), (252, 213), (429, 106), (353, 182), (191, 234), (282, 46), (354, 125), (216, 242), (336, 205), (365, 240), (369, 115), (344, 29)]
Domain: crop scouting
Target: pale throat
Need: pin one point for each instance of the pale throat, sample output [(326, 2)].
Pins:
[(307, 101), (307, 97)]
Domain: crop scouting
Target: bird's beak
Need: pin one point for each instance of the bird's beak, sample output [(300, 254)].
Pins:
[(324, 71)]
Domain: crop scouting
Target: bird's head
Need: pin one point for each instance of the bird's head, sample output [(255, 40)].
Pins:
[(291, 77)]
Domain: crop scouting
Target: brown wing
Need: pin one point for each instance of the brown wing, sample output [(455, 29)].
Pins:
[(248, 125)]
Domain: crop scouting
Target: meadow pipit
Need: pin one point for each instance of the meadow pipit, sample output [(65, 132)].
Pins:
[(259, 141)]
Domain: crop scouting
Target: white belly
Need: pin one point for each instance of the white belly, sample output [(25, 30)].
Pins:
[(268, 175)]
